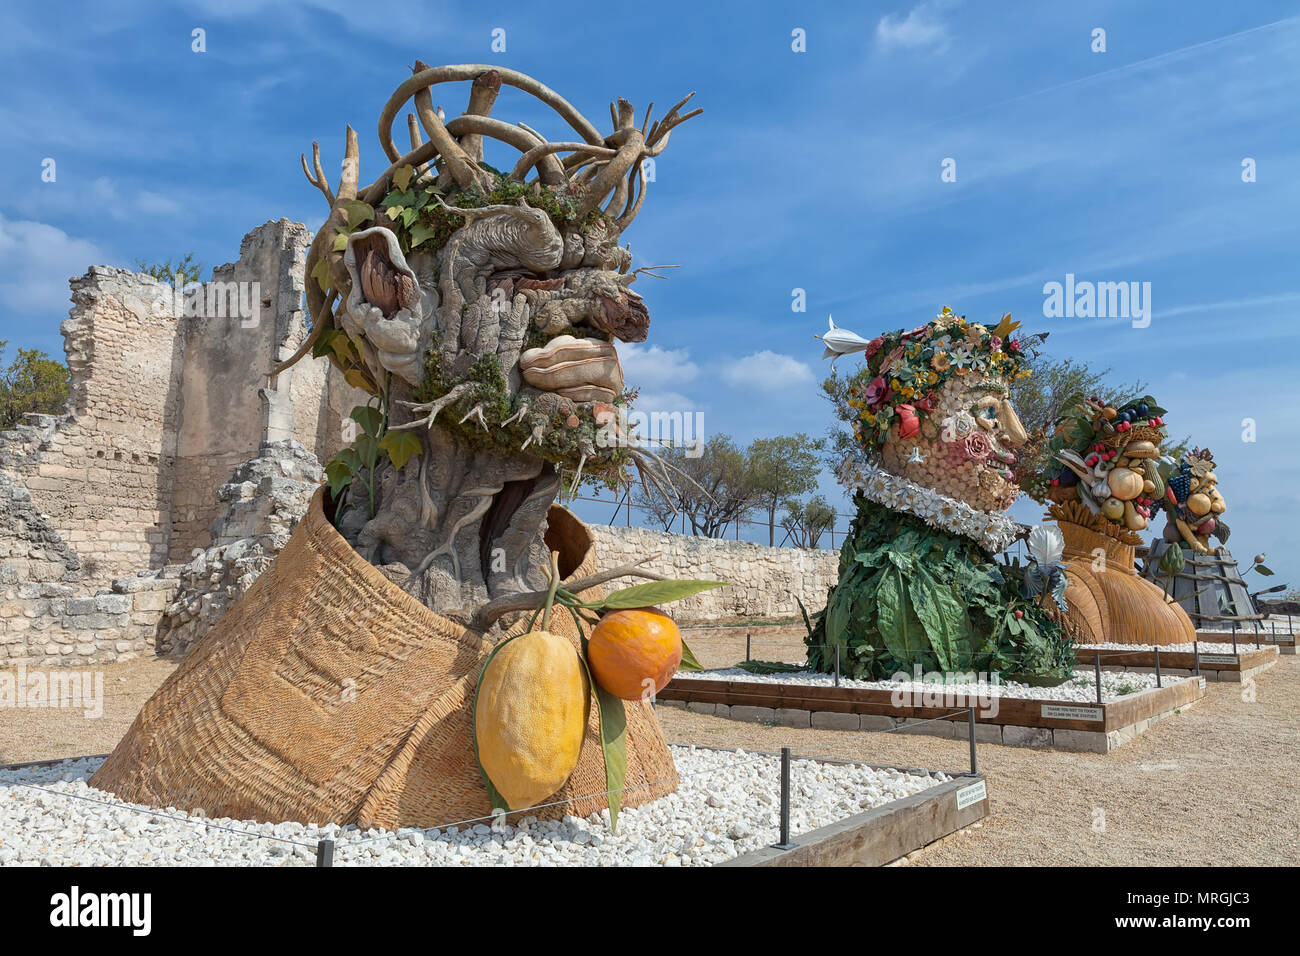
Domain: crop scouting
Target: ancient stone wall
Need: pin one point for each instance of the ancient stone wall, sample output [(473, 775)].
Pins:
[(228, 401), (763, 581), (102, 475)]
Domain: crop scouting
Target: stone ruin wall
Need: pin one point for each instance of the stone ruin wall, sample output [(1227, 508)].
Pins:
[(129, 525), (763, 581), (102, 474), (99, 506)]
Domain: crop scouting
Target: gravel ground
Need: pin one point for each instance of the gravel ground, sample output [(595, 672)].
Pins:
[(727, 804), (1083, 687), (1214, 785), (1206, 647), (43, 733)]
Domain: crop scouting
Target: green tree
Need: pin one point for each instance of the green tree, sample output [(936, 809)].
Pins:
[(806, 522), (178, 273), (32, 382), (782, 468), (722, 492)]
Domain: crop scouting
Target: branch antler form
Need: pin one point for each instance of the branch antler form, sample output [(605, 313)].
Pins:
[(319, 180), (431, 409), (498, 608), (457, 163), (634, 147)]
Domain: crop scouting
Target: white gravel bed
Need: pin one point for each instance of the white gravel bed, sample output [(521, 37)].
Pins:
[(1206, 647), (728, 803), (1082, 687)]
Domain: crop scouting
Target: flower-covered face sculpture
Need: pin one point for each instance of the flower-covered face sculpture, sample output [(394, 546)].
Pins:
[(966, 448), (1193, 504), (933, 405)]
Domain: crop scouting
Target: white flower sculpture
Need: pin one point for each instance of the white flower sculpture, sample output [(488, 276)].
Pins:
[(992, 531)]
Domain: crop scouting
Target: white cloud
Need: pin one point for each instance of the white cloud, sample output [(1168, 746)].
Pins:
[(650, 402), (766, 370), (653, 367), (922, 28), (36, 261)]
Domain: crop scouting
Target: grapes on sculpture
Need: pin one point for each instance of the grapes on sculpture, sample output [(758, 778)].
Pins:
[(1185, 563)]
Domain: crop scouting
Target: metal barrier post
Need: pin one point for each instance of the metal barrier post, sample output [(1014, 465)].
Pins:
[(1158, 683), (325, 853), (837, 665), (974, 766), (747, 647), (1196, 655), (1097, 670), (785, 843)]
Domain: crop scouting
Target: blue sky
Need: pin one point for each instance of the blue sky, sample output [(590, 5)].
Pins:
[(816, 170)]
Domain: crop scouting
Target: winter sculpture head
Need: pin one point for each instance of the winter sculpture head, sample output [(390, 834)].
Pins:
[(933, 406), (1193, 504), (479, 309)]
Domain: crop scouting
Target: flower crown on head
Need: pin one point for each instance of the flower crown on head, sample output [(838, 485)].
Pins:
[(906, 370)]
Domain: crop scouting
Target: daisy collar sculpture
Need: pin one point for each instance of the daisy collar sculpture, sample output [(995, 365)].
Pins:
[(938, 444)]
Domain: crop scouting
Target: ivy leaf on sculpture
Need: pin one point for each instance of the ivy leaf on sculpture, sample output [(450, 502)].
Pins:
[(400, 446), (369, 418)]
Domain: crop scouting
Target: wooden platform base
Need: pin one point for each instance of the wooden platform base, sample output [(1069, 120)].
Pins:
[(886, 833), (1235, 668), (1285, 643), (1064, 725)]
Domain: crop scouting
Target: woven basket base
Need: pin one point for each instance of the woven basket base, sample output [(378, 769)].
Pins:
[(1115, 605), (329, 695)]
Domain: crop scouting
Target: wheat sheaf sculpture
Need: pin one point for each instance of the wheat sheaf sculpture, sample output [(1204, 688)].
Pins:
[(479, 309)]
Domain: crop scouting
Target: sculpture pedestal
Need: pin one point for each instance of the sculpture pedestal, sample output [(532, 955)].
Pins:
[(1114, 604)]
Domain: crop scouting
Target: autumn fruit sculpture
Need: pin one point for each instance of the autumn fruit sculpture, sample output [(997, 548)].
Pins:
[(918, 588), (1104, 488), (1204, 578), (478, 308)]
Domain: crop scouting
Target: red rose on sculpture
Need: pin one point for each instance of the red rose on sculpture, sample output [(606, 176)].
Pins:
[(1013, 347), (874, 345), (978, 446), (908, 423), (877, 392)]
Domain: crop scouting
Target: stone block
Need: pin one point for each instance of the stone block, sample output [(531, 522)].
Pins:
[(792, 717), (875, 722), (701, 707), (1026, 736), (931, 728), (113, 603), (984, 733), (1083, 741), (829, 720), (745, 712), (81, 606)]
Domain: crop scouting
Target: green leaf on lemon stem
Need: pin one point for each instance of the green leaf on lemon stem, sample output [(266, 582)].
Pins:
[(494, 796), (612, 717), (657, 592), (689, 663)]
